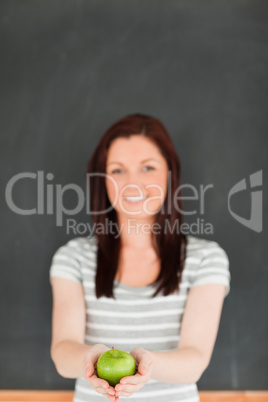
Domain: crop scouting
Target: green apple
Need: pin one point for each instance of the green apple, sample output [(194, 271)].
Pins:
[(114, 365)]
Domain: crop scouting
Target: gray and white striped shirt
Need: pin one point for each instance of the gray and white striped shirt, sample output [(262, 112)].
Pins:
[(135, 318)]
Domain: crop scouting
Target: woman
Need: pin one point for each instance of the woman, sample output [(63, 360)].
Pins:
[(139, 284)]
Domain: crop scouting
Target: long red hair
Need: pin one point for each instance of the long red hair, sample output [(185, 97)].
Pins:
[(170, 245)]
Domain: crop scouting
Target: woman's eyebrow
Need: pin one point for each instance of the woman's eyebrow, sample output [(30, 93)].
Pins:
[(145, 160)]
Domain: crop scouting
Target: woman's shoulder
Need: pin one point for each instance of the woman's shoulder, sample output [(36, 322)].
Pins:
[(206, 263), (83, 242), (79, 245), (203, 247), (69, 259)]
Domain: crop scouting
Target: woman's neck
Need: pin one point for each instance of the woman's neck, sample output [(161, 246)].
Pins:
[(135, 232)]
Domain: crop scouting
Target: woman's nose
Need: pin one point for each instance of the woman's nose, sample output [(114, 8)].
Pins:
[(133, 185)]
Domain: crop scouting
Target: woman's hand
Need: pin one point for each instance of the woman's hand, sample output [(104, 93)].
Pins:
[(90, 372), (135, 382)]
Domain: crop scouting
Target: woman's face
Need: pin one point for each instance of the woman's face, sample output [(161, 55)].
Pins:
[(135, 168)]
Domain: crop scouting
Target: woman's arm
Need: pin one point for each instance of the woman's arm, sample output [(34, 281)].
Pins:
[(182, 366), (68, 357), (186, 364), (72, 358), (199, 330), (68, 328)]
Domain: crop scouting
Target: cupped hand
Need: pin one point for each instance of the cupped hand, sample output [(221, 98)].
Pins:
[(130, 384), (90, 372)]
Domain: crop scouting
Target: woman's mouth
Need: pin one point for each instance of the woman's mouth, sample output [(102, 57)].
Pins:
[(135, 200)]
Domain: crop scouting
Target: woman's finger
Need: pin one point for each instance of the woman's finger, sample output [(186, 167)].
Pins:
[(143, 360), (141, 377), (121, 393), (100, 383), (105, 392), (109, 394), (102, 390), (97, 382), (113, 398), (133, 380), (144, 367), (127, 390)]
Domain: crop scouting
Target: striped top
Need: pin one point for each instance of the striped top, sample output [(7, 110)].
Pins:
[(135, 318)]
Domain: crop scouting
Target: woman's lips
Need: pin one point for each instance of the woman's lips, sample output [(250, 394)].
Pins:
[(135, 202)]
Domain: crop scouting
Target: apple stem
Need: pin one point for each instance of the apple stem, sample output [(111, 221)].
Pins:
[(114, 352)]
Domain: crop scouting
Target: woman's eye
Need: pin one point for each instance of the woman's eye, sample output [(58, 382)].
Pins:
[(149, 167), (116, 171)]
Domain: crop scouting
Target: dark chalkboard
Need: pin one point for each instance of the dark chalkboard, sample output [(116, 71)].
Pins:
[(69, 69)]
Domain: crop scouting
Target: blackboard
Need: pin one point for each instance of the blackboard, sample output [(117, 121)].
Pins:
[(69, 69)]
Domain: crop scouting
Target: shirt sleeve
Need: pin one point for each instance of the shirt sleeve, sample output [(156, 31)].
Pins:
[(213, 268), (65, 264)]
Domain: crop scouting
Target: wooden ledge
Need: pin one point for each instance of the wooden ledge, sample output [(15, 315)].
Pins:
[(233, 396), (67, 396)]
